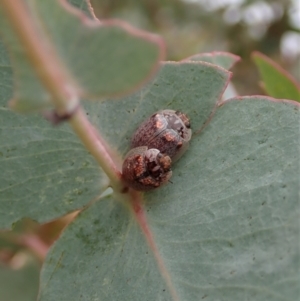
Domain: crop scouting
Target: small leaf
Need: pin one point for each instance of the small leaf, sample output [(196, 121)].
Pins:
[(99, 59), (223, 59), (226, 229), (276, 81)]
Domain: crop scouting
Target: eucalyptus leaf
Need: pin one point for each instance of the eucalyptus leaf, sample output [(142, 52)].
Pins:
[(275, 80), (227, 227), (47, 173), (223, 59), (99, 59), (191, 87)]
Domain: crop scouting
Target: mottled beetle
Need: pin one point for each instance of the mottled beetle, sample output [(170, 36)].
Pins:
[(167, 130), (146, 169), (158, 141)]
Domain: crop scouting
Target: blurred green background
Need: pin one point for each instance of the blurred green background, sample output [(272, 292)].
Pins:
[(238, 26)]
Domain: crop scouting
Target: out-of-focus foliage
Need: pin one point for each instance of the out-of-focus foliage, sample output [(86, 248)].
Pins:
[(240, 27), (275, 80), (19, 280)]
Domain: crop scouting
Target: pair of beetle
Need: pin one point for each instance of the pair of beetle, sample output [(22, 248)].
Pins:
[(158, 142)]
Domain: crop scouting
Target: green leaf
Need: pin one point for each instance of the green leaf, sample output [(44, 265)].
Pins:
[(223, 59), (276, 81), (21, 282), (192, 87), (225, 229), (29, 93), (45, 171), (99, 59)]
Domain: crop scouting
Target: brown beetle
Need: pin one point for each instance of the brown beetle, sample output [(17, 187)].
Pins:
[(167, 130), (146, 168)]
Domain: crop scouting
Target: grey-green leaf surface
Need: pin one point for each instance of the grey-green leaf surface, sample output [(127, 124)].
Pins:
[(227, 228), (101, 59), (223, 59), (46, 172), (21, 282), (192, 87)]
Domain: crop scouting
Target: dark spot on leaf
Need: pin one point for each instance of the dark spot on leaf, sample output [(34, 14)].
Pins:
[(262, 141)]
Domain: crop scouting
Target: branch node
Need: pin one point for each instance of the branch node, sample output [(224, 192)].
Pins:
[(55, 118)]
